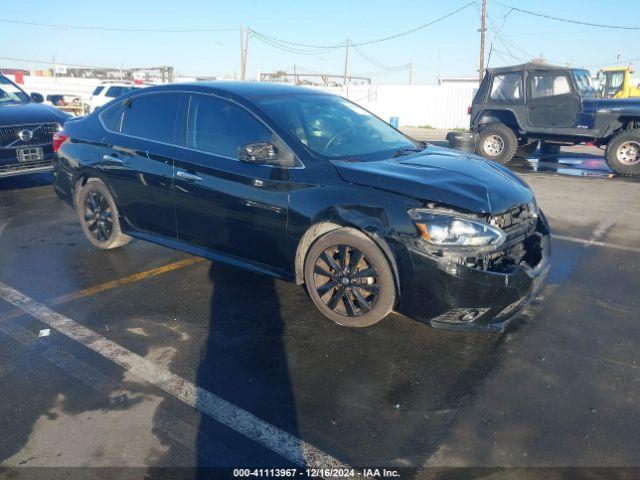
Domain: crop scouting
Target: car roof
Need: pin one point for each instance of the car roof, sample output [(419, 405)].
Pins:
[(528, 66), (247, 90)]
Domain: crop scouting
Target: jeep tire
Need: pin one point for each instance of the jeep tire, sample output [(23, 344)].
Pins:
[(497, 142), (623, 153)]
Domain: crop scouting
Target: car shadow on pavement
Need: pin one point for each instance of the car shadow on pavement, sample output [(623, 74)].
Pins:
[(243, 360)]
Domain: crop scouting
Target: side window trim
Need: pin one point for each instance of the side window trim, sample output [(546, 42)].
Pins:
[(298, 164)]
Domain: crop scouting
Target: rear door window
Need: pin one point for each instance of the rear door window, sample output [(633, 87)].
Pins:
[(116, 91), (98, 89), (151, 116), (507, 87)]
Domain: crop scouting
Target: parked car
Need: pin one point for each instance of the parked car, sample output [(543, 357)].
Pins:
[(107, 91), (310, 187), (516, 107), (26, 130)]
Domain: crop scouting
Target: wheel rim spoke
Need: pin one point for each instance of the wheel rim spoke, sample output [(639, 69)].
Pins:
[(362, 302), (328, 259), (342, 256), (322, 290), (367, 272), (333, 301), (356, 256), (321, 271), (348, 304), (341, 286)]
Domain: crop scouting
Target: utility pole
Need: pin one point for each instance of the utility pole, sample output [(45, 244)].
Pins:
[(411, 73), (346, 67), (295, 75), (244, 43), (483, 29)]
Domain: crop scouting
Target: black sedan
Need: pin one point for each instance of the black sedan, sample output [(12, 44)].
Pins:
[(309, 187)]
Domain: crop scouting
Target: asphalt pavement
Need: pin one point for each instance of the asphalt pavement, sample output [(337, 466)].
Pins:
[(147, 357)]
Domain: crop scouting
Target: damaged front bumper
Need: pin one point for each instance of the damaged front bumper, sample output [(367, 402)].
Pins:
[(453, 293)]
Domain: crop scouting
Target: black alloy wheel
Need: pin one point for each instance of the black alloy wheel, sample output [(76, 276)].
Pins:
[(98, 215), (349, 278), (345, 281)]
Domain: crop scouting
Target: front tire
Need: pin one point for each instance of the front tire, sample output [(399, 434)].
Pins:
[(98, 215), (623, 153), (497, 142), (349, 278)]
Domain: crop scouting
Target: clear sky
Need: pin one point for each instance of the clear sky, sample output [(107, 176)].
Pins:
[(449, 47)]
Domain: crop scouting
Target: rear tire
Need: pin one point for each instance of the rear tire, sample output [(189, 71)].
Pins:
[(497, 142), (349, 278), (98, 215), (525, 150), (623, 153)]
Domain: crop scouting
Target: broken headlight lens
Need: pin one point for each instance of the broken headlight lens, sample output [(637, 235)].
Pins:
[(449, 230)]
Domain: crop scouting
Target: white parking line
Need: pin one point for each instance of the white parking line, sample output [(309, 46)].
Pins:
[(597, 243), (243, 422)]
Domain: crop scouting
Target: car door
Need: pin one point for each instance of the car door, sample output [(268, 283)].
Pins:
[(138, 156), (553, 103), (224, 204)]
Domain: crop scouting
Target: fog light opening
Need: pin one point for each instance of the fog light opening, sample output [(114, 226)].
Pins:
[(469, 315)]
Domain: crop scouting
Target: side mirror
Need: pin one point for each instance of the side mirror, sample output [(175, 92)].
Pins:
[(37, 97), (259, 152)]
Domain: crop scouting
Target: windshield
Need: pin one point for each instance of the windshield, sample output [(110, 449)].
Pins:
[(583, 82), (11, 94), (334, 127)]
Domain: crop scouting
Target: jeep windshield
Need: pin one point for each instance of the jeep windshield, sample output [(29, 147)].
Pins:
[(10, 94), (333, 127), (583, 83)]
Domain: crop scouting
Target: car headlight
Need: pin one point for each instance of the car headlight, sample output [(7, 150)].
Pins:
[(449, 230)]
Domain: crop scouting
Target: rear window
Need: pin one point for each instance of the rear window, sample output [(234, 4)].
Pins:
[(98, 90), (151, 116), (116, 91), (507, 87)]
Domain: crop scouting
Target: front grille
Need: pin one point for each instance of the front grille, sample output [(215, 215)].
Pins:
[(25, 166), (521, 244), (517, 223), (41, 134)]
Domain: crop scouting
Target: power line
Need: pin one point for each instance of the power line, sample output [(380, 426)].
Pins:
[(293, 49), (567, 20), (118, 29), (368, 42), (379, 64), (407, 32)]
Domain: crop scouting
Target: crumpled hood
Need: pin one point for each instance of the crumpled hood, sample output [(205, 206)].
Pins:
[(444, 176), (30, 113)]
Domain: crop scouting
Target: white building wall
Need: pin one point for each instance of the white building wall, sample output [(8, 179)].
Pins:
[(439, 106)]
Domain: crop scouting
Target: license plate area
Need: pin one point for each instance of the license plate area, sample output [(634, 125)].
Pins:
[(32, 154)]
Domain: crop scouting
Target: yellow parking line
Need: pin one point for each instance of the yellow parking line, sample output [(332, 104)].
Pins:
[(86, 292)]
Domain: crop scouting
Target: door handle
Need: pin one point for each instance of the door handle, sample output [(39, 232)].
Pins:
[(109, 158), (188, 176)]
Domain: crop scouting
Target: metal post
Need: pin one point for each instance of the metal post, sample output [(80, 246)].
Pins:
[(346, 67)]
